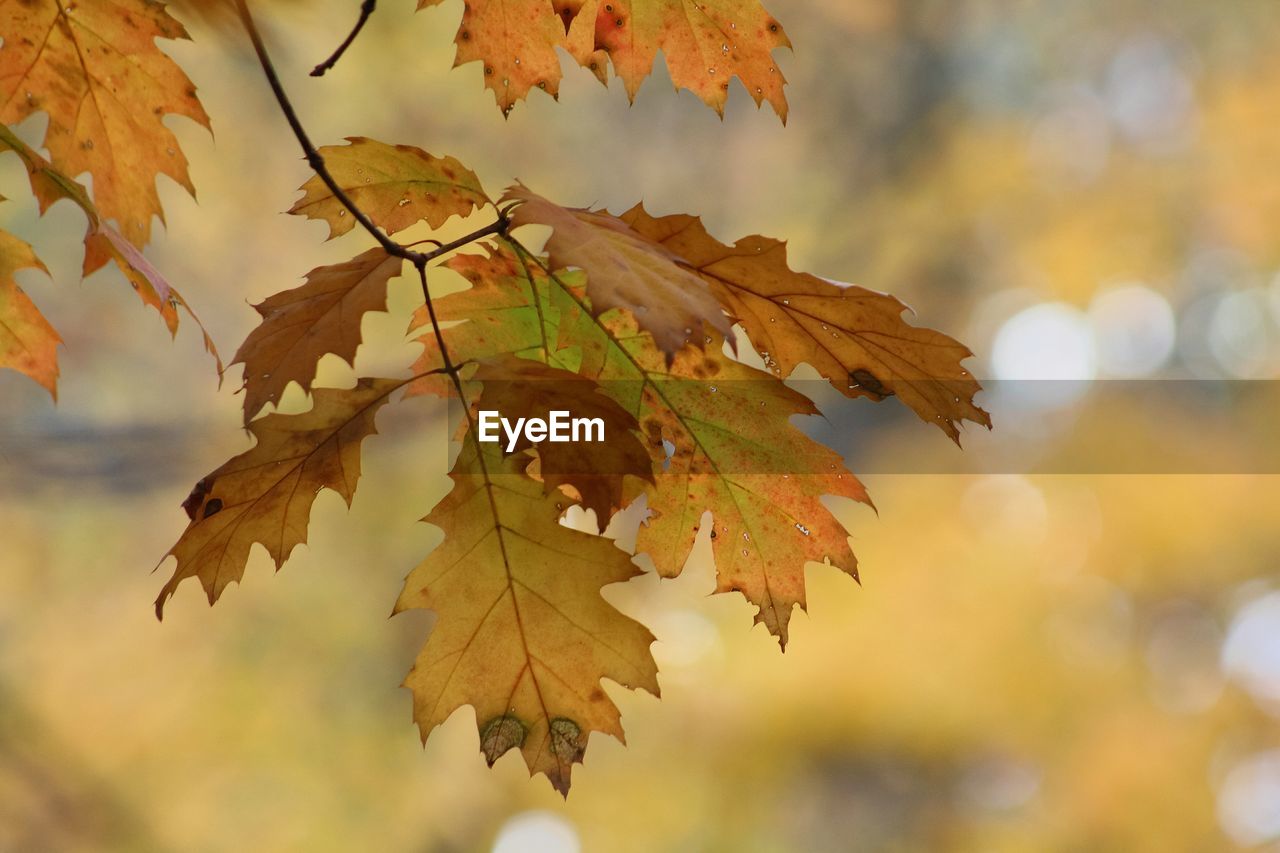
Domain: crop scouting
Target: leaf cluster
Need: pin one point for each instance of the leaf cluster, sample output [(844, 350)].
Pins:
[(643, 321)]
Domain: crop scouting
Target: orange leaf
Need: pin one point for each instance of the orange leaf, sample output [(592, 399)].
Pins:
[(706, 44), (27, 342), (94, 68), (103, 243), (516, 42)]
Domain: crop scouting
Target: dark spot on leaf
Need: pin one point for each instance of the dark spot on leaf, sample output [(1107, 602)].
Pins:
[(213, 507), (867, 381), (566, 740), (197, 496), (499, 735)]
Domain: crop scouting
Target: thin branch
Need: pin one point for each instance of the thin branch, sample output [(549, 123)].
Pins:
[(316, 161), (308, 149), (435, 327), (498, 226), (366, 9)]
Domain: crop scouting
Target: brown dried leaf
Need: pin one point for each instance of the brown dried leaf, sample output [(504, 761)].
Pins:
[(301, 325), (522, 388), (854, 337)]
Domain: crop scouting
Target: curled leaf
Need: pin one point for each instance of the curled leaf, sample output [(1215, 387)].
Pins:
[(625, 269), (854, 337)]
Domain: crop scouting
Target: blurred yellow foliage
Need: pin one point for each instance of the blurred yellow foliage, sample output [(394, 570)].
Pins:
[(1034, 661)]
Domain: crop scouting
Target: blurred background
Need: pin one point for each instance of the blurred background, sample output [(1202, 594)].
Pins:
[(1048, 652)]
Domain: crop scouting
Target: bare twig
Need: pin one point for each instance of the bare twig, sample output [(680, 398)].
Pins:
[(366, 9)]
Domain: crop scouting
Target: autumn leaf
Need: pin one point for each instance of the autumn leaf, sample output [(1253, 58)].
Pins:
[(593, 470), (515, 40), (396, 185), (854, 337), (523, 635), (265, 494), (706, 44), (102, 243), (301, 325), (736, 452), (625, 270), (95, 69), (28, 343)]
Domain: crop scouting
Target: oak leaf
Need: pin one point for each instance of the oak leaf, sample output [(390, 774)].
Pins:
[(102, 243), (854, 337), (706, 44), (396, 185), (734, 453), (523, 635), (625, 270), (95, 69), (28, 343), (735, 450), (265, 494), (515, 40), (301, 325)]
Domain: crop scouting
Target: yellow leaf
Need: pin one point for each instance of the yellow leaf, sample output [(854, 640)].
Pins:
[(396, 185), (265, 494), (523, 634)]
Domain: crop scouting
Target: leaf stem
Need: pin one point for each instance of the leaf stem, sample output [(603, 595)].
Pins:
[(366, 9), (435, 327)]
